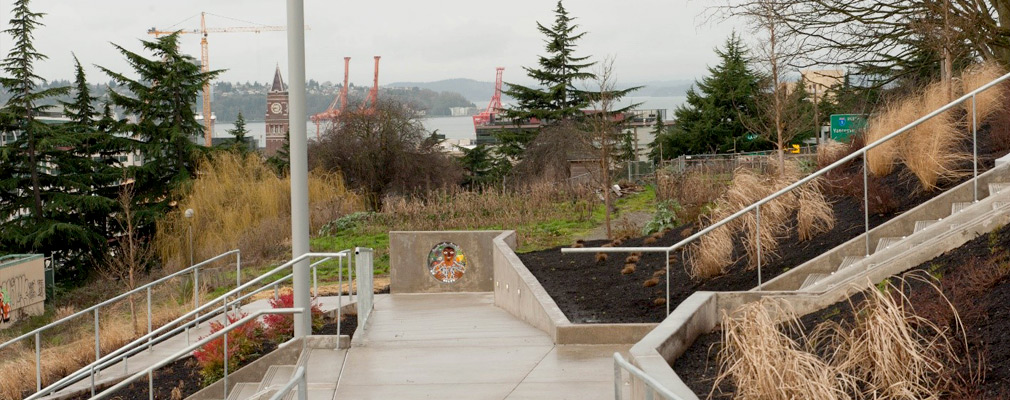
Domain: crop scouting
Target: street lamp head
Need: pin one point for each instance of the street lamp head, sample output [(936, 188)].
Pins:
[(189, 213)]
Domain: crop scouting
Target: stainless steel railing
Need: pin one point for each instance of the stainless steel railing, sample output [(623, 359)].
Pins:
[(149, 371), (95, 310), (652, 387), (198, 315), (756, 206), (297, 379)]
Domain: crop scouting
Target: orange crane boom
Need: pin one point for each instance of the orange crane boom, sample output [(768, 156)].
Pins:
[(205, 59)]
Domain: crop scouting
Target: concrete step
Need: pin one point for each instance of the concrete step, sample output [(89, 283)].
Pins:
[(276, 377), (920, 225), (998, 187), (243, 391), (849, 261), (888, 242), (324, 365), (999, 204), (959, 206), (812, 279)]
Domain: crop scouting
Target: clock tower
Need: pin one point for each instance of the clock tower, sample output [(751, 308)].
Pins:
[(277, 114)]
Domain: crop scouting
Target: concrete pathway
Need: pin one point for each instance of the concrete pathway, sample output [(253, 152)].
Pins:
[(460, 346)]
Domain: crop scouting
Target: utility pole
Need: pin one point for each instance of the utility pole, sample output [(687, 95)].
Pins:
[(817, 119), (298, 156)]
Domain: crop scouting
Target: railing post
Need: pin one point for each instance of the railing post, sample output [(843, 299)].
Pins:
[(757, 234), (974, 146), (149, 318), (667, 282), (303, 386), (98, 335), (38, 362), (150, 384), (227, 321), (340, 292), (618, 395), (238, 269), (315, 282), (866, 202), (196, 291)]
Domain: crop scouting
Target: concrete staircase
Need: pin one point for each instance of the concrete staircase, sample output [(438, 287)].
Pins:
[(322, 356), (947, 212)]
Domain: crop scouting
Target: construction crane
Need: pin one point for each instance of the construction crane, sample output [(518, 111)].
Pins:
[(485, 117), (333, 111), (205, 59)]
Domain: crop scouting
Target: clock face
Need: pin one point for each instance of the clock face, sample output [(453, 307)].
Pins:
[(275, 108)]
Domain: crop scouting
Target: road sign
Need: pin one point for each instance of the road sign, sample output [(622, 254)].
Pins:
[(843, 126)]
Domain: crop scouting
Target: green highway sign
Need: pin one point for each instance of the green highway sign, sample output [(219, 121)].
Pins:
[(843, 126)]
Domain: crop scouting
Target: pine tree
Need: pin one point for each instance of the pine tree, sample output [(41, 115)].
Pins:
[(49, 200), (281, 160), (557, 98), (658, 133), (239, 144), (163, 100), (710, 120)]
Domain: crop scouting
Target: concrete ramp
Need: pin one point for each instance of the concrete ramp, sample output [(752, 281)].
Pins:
[(460, 346)]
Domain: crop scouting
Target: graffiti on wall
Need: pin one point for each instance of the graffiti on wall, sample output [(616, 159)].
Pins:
[(17, 292)]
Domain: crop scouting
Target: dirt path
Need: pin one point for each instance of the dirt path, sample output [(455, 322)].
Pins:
[(635, 218)]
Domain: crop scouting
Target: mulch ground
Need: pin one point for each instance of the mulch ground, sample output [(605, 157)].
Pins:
[(182, 378), (976, 280), (588, 291)]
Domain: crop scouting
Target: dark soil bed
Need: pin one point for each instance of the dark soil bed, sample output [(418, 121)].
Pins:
[(976, 280), (183, 375), (588, 291)]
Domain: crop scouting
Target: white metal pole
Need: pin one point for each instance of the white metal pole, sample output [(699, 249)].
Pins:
[(299, 162)]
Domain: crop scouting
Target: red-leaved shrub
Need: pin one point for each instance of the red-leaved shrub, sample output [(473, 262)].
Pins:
[(243, 342), (281, 327)]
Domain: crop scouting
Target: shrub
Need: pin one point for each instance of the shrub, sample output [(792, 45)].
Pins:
[(931, 151), (243, 342), (664, 218), (281, 327), (346, 223), (882, 159)]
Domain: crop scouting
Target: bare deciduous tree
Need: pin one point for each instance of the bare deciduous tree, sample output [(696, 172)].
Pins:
[(130, 253)]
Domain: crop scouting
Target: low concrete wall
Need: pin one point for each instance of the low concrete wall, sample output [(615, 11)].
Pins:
[(520, 293), (22, 288), (408, 261)]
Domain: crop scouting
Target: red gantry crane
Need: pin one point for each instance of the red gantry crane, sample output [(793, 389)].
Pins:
[(494, 106), (339, 103), (205, 58)]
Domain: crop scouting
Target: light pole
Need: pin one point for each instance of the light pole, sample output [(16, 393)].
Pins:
[(299, 163)]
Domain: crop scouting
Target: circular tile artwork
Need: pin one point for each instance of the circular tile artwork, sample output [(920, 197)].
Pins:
[(446, 262)]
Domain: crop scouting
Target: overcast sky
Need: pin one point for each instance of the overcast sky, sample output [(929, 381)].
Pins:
[(418, 40)]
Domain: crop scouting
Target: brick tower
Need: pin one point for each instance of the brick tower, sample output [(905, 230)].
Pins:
[(277, 114)]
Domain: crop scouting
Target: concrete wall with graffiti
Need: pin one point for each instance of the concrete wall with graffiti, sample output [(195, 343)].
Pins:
[(22, 288)]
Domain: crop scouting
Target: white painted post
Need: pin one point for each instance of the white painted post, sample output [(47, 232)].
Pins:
[(299, 163)]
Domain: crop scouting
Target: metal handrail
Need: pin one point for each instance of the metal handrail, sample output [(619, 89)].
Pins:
[(163, 333), (37, 333), (756, 206), (652, 386), (149, 371), (297, 379)]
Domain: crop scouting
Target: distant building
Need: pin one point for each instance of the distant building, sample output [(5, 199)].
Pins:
[(462, 111), (277, 114), (822, 82)]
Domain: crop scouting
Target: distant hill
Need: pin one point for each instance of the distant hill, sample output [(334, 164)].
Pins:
[(475, 91)]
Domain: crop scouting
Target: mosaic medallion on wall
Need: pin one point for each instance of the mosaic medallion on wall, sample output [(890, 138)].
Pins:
[(446, 262)]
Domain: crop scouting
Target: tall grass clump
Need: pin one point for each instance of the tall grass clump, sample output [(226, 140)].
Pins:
[(766, 363), (885, 352), (805, 208), (989, 101), (882, 159), (240, 202), (931, 150)]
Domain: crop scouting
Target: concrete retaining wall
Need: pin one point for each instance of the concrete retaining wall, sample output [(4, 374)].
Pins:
[(22, 288), (408, 261)]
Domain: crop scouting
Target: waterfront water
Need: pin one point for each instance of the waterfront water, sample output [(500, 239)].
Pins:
[(457, 127)]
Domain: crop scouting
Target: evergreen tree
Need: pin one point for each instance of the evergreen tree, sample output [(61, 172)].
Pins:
[(281, 161), (239, 144), (658, 132), (481, 166), (557, 98), (49, 183), (163, 100), (710, 120)]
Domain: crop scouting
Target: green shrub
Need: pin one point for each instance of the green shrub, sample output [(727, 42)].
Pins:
[(665, 217)]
